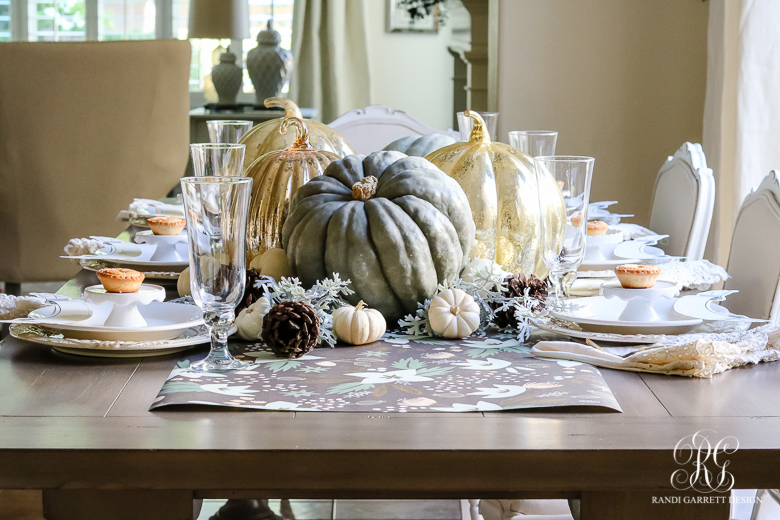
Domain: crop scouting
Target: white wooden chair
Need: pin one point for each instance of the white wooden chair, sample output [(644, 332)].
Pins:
[(754, 258), (374, 127), (682, 204)]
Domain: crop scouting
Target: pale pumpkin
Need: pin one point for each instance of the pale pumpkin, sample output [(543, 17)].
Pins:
[(183, 283), (453, 313), (272, 263), (395, 226), (357, 325), (249, 322), (420, 145), (276, 176), (500, 183), (265, 137)]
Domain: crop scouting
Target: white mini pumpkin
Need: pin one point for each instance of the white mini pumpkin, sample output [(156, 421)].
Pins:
[(183, 283), (249, 322), (272, 263), (358, 326), (453, 314)]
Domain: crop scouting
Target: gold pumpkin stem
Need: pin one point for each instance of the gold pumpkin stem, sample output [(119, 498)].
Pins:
[(301, 133), (359, 305), (365, 189), (290, 108), (455, 310), (478, 132)]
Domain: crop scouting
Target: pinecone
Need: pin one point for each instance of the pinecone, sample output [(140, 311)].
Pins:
[(516, 285), (251, 293), (291, 329)]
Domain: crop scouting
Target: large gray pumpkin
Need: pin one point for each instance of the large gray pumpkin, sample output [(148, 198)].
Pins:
[(396, 245), (420, 145)]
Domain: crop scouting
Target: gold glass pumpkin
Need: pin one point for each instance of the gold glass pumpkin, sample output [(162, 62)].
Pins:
[(500, 184), (276, 176), (265, 137)]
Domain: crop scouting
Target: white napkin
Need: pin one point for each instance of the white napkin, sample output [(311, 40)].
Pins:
[(694, 355), (82, 246), (632, 231), (153, 206), (12, 307), (587, 286)]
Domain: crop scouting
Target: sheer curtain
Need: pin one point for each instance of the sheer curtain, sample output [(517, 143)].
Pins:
[(742, 107), (330, 47)]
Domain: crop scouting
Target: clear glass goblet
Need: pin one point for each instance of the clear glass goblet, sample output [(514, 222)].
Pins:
[(216, 210), (534, 142), (217, 159), (227, 131), (573, 175), (465, 124)]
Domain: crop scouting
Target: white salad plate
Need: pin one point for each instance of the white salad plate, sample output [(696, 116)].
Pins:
[(129, 254), (164, 321), (600, 314), (112, 349)]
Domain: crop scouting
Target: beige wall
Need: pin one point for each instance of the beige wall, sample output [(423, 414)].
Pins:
[(621, 80), (410, 72)]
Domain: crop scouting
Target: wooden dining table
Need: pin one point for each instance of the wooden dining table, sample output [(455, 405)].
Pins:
[(80, 429)]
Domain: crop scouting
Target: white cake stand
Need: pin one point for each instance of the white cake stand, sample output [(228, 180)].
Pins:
[(165, 250), (639, 302), (125, 312)]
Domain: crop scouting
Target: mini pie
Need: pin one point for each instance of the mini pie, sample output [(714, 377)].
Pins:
[(166, 225), (119, 280), (633, 276), (597, 228)]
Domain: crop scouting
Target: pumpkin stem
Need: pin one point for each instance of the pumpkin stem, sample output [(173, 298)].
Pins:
[(365, 189), (301, 133), (478, 132), (455, 310), (290, 108), (359, 305)]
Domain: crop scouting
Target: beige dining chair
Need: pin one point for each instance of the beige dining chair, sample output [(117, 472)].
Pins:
[(374, 127), (683, 201), (754, 257), (84, 128)]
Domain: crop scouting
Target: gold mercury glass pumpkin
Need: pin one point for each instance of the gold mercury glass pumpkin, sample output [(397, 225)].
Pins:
[(500, 184), (276, 176), (265, 137)]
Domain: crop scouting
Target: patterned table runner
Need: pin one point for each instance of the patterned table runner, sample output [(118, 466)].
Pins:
[(397, 374)]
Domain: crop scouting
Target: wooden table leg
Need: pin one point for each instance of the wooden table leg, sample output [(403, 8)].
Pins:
[(653, 504), (87, 504)]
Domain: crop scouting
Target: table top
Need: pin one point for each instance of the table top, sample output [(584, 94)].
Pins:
[(85, 422)]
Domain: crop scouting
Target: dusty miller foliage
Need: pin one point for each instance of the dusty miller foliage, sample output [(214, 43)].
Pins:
[(324, 297), (487, 290)]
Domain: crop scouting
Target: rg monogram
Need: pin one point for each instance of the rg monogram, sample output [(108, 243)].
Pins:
[(705, 463)]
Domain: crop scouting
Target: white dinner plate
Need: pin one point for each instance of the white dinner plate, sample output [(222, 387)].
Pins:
[(113, 349), (599, 314), (132, 254), (164, 321), (150, 274)]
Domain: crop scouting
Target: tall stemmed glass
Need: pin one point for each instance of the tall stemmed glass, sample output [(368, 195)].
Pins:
[(218, 159), (227, 131), (216, 210), (534, 142), (573, 174)]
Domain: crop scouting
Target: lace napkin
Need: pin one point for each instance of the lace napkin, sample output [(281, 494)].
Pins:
[(12, 307), (698, 275), (162, 208), (693, 355)]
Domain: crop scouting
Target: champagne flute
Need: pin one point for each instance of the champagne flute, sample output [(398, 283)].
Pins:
[(218, 159), (534, 142), (227, 131), (573, 175), (216, 210)]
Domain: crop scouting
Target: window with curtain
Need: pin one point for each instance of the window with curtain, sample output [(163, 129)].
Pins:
[(5, 20)]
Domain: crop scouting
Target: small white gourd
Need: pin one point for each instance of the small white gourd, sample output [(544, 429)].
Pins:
[(358, 326), (453, 314), (183, 283), (249, 322), (272, 263)]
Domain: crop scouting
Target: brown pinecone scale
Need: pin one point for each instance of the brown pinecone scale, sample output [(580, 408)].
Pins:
[(516, 285), (291, 329)]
